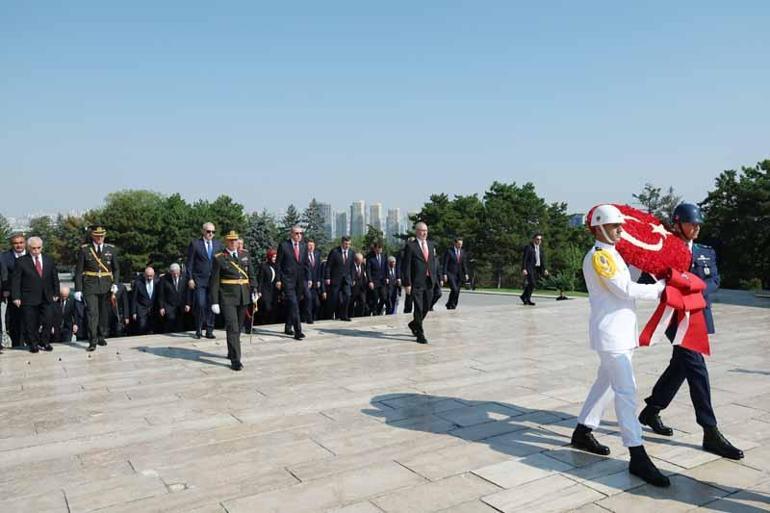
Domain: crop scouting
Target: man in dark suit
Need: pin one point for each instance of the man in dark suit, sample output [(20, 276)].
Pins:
[(200, 257), (3, 279), (338, 277), (393, 285), (532, 267), (174, 299), (359, 287), (232, 288), (144, 306), (376, 272), (13, 322), (455, 272), (64, 317), (293, 278), (120, 316), (420, 272), (399, 264), (34, 288), (312, 302)]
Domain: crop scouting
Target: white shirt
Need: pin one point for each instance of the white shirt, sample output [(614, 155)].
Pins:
[(148, 285), (612, 294), (537, 255)]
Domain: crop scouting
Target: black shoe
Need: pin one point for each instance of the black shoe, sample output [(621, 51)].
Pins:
[(421, 339), (210, 334), (413, 328), (582, 438), (650, 417), (347, 319), (33, 349), (236, 365), (310, 322), (197, 335), (299, 336), (715, 442), (46, 347), (91, 347), (523, 301), (101, 342), (530, 303), (642, 467), (289, 331)]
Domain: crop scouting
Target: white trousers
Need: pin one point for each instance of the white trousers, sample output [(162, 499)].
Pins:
[(615, 378)]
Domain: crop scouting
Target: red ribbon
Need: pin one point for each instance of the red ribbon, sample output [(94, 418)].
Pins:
[(681, 304)]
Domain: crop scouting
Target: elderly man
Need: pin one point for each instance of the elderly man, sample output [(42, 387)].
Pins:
[(145, 302), (420, 273), (96, 275), (312, 301), (393, 285), (200, 258), (174, 299), (376, 272), (34, 289), (64, 317), (294, 277), (13, 323)]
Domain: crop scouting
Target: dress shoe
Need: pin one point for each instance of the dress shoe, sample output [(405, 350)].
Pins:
[(197, 335), (46, 347), (347, 319), (289, 331), (33, 349), (102, 342), (91, 347), (413, 328), (582, 438), (299, 336), (236, 365), (642, 467), (714, 441), (523, 301), (210, 334), (421, 339), (530, 303), (650, 417), (310, 322)]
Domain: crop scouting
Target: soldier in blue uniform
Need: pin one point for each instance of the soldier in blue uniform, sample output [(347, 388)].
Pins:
[(687, 364)]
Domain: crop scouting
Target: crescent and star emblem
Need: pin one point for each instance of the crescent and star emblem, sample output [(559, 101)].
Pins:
[(656, 228)]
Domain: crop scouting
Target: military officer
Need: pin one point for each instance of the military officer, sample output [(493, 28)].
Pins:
[(232, 288), (96, 276), (687, 364), (613, 335)]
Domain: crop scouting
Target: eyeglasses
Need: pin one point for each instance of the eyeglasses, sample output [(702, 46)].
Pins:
[(211, 231)]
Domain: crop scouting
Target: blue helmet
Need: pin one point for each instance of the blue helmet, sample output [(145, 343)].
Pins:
[(687, 213)]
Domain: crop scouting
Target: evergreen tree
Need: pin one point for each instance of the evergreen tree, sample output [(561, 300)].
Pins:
[(313, 221)]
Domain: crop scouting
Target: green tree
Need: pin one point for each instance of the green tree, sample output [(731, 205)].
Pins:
[(737, 224), (313, 221), (373, 235), (5, 232), (290, 218), (261, 234), (45, 228), (661, 206), (70, 234)]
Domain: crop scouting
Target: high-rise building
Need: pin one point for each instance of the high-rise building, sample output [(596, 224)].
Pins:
[(393, 224), (357, 219), (326, 213), (341, 225), (375, 216)]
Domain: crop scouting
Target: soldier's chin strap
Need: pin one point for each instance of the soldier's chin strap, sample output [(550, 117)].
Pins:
[(604, 232)]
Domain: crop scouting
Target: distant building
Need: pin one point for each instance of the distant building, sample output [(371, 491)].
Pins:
[(326, 213), (357, 219), (375, 216), (341, 225), (393, 224), (577, 220)]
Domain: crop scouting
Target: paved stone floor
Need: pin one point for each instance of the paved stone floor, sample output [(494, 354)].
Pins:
[(360, 419)]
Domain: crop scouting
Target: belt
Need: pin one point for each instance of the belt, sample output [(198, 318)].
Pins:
[(242, 281), (98, 274)]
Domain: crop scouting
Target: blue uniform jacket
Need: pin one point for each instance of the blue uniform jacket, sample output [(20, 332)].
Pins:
[(704, 265)]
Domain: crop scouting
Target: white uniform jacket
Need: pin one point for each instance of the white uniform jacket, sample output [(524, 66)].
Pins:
[(613, 294)]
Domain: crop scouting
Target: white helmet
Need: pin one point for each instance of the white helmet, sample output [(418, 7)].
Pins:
[(606, 214)]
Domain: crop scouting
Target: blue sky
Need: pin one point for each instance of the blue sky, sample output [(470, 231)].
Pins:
[(381, 101)]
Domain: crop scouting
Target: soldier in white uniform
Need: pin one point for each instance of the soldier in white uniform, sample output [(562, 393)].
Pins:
[(613, 333)]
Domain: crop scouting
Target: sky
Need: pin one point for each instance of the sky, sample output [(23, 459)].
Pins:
[(278, 102)]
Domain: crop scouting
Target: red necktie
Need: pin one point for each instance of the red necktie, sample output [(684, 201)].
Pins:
[(296, 251), (38, 267), (458, 256), (424, 245)]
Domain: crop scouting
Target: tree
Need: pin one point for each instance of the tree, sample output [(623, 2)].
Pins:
[(5, 232), (45, 228), (737, 224), (70, 234), (313, 221), (261, 234), (661, 207), (290, 219), (373, 235)]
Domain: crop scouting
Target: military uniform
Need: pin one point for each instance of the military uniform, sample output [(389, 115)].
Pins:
[(231, 286), (95, 276)]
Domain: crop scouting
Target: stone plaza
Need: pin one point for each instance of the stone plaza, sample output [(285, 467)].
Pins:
[(358, 418)]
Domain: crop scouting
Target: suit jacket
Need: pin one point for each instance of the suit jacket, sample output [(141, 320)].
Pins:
[(8, 261), (89, 265), (226, 270), (28, 286), (143, 303), (376, 272), (198, 263), (64, 314), (315, 267), (170, 297), (291, 271), (528, 258), (452, 267), (416, 269), (338, 271), (360, 279)]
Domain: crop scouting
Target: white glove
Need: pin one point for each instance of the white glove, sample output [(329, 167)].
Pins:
[(78, 296), (114, 289), (254, 297), (215, 309)]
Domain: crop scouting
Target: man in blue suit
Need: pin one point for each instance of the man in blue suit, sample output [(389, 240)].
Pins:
[(200, 255), (687, 364), (13, 320)]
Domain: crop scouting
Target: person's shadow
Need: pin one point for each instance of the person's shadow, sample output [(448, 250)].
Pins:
[(540, 439), (183, 353), (361, 333)]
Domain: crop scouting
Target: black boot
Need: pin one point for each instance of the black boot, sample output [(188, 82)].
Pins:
[(582, 438), (650, 417), (714, 441), (642, 467)]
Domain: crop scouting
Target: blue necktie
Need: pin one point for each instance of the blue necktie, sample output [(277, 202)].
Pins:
[(208, 249)]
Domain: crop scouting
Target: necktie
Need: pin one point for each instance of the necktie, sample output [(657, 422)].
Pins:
[(312, 260), (208, 249), (99, 250), (296, 252), (63, 305), (345, 256), (38, 267), (378, 260), (149, 289), (457, 252), (424, 246), (176, 283)]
